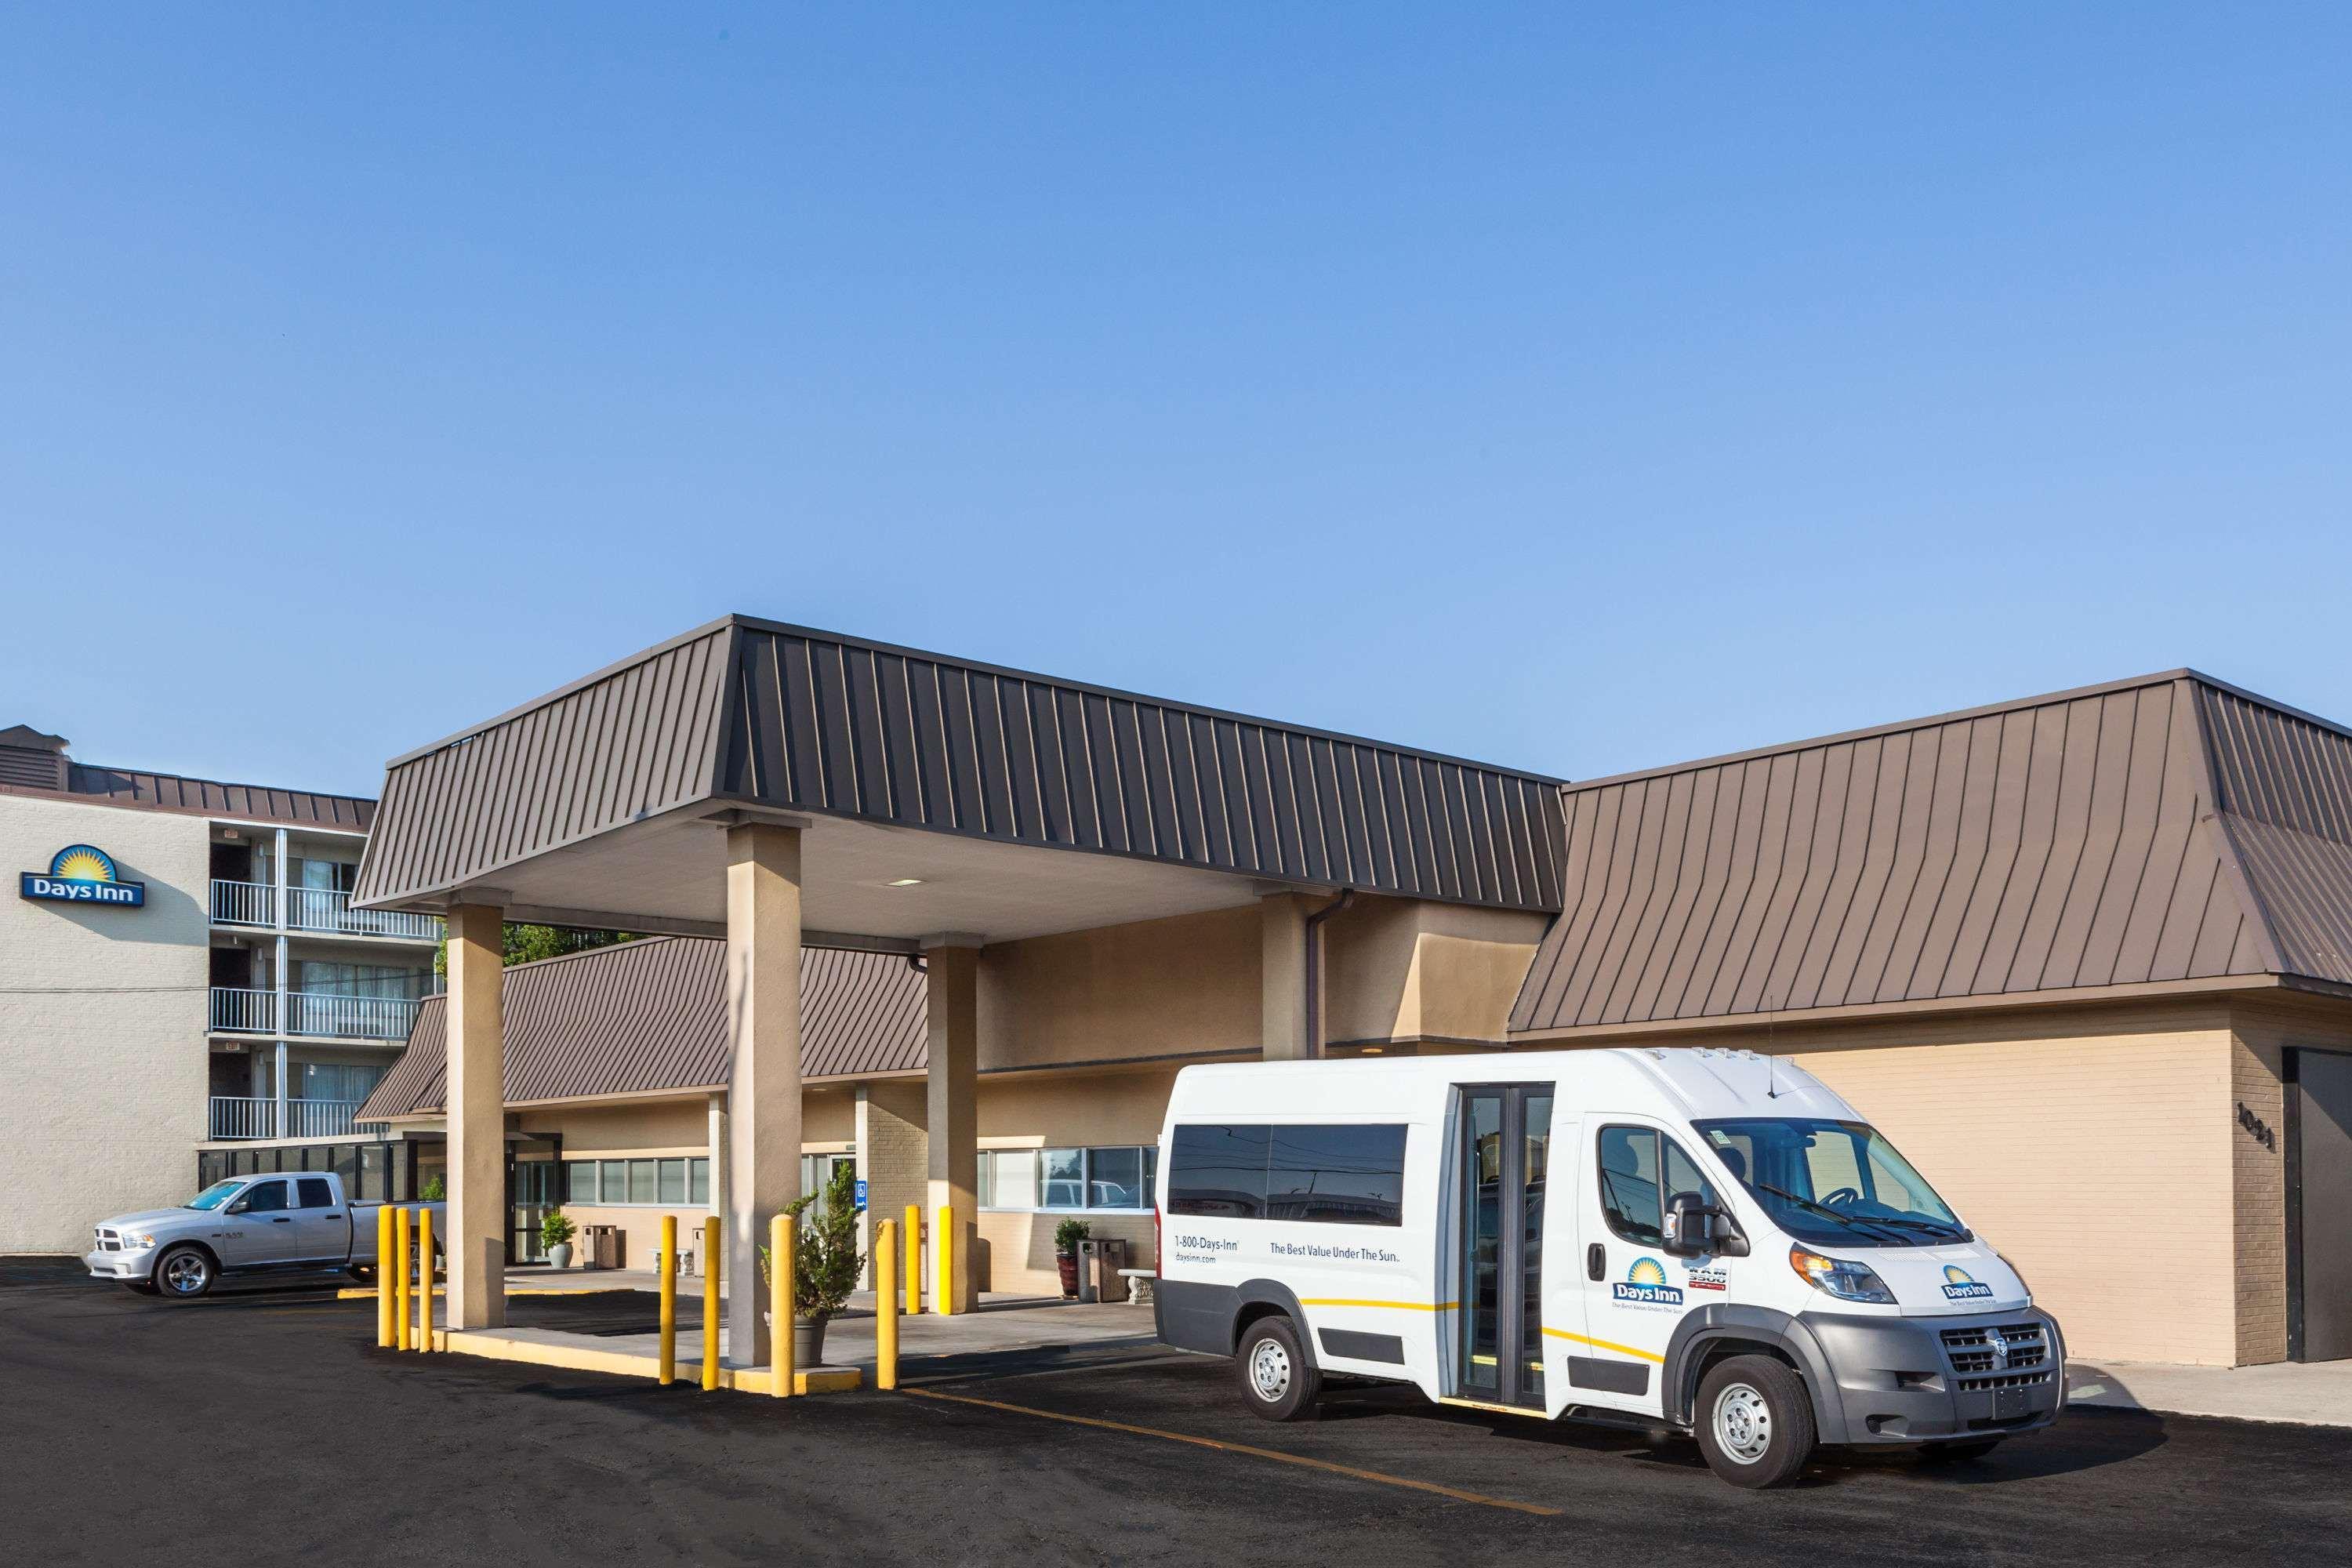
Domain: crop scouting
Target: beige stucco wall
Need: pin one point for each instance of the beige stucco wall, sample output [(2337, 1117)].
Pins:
[(1059, 1112), (1402, 970), (102, 1023), (1184, 985), (2100, 1162)]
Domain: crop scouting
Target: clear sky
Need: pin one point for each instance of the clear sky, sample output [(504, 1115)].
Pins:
[(1573, 387)]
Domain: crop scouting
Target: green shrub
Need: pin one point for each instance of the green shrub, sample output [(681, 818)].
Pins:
[(825, 1262), (435, 1191), (1069, 1233), (555, 1229)]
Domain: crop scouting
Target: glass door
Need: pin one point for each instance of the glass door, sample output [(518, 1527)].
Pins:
[(1505, 1152)]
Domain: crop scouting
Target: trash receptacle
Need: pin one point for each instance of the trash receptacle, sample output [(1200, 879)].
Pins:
[(606, 1247), (1089, 1253), (1110, 1256)]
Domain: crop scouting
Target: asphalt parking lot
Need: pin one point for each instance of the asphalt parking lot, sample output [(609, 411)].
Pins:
[(265, 1428)]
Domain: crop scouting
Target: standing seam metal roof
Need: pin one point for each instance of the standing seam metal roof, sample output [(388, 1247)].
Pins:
[(2169, 829), (647, 1016), (754, 711)]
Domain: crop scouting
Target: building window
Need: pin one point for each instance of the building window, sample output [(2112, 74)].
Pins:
[(675, 1182), (1115, 1180)]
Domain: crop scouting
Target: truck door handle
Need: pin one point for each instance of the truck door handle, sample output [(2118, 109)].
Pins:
[(283, 1219), (1596, 1261)]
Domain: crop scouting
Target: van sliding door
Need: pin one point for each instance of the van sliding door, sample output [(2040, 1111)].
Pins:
[(1505, 1145)]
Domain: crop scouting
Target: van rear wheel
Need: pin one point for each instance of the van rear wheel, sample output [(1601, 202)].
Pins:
[(1278, 1380), (1755, 1422)]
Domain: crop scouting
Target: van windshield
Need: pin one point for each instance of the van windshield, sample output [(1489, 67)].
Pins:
[(212, 1197), (1837, 1181)]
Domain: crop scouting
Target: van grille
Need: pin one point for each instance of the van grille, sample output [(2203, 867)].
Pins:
[(2006, 1380), (2004, 1347)]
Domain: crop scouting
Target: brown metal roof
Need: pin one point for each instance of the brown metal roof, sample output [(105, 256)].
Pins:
[(648, 1015), (35, 763), (2165, 829), (761, 713)]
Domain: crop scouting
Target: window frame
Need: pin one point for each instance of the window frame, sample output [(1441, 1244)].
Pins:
[(1147, 1160), (1600, 1179), (594, 1165)]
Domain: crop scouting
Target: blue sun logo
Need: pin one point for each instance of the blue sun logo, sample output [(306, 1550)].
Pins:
[(1959, 1284), (1644, 1284), (82, 863)]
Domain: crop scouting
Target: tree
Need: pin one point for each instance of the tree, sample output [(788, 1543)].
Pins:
[(526, 943)]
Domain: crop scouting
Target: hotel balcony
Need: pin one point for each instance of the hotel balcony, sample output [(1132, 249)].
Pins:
[(319, 912), (234, 1116), (312, 1013)]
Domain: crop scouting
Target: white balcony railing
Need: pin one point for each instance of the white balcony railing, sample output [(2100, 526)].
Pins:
[(325, 911), (239, 1117), (239, 1011), (330, 909), (245, 904)]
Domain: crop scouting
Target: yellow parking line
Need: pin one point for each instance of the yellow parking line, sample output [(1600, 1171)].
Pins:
[(1456, 1493)]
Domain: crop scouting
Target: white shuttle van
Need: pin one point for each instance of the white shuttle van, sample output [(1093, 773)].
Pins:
[(1703, 1238)]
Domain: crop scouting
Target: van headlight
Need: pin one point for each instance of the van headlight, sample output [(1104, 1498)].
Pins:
[(1841, 1276)]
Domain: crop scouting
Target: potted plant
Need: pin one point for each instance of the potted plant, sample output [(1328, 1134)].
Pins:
[(1066, 1236), (825, 1264), (555, 1235)]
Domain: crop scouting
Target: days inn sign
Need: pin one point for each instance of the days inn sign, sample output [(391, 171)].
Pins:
[(81, 874)]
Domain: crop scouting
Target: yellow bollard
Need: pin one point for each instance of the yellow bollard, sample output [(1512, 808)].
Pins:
[(423, 1279), (943, 1261), (398, 1264), (668, 1300), (711, 1302), (384, 1334), (783, 1257), (914, 1242), (886, 1305)]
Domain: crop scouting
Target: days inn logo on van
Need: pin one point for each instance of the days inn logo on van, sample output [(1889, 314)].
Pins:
[(1644, 1284), (1958, 1286), (81, 874)]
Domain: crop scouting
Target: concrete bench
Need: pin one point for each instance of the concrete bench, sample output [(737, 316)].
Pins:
[(1139, 1282)]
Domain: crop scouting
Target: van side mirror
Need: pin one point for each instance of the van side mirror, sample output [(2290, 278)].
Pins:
[(1693, 1228)]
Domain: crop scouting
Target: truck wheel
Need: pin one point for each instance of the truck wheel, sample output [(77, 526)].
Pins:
[(1755, 1422), (1278, 1379), (185, 1273)]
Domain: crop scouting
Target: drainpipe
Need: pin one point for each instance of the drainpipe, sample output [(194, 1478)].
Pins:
[(278, 1001), (1315, 969)]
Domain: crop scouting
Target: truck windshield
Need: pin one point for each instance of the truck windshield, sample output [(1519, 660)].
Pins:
[(1837, 1181), (212, 1197)]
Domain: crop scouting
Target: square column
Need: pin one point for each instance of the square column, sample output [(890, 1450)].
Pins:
[(475, 1225), (953, 969), (1282, 977), (762, 1175)]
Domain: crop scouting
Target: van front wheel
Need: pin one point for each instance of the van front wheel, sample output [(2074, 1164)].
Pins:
[(1755, 1422), (1278, 1379)]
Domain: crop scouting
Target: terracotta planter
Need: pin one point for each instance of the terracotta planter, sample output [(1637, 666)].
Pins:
[(1068, 1262)]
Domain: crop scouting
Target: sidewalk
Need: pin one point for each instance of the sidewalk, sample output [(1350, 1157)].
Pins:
[(2315, 1393)]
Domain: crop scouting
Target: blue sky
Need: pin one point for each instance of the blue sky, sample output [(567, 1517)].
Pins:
[(1577, 388)]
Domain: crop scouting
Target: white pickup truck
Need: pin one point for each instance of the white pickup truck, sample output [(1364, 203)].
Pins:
[(295, 1223)]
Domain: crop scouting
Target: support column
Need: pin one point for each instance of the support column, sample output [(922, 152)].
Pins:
[(764, 1095), (476, 1222), (953, 969), (1282, 977), (717, 1138)]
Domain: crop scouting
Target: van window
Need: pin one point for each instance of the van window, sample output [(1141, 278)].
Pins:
[(1313, 1173), (1218, 1172), (1337, 1176), (1630, 1188)]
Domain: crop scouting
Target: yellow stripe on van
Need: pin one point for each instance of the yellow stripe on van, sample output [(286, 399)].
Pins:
[(1605, 1345), (1399, 1306)]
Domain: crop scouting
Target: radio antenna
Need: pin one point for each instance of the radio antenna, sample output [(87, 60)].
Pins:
[(1771, 1061)]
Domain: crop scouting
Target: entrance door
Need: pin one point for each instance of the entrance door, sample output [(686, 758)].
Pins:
[(1506, 1154), (533, 1183), (2321, 1138)]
